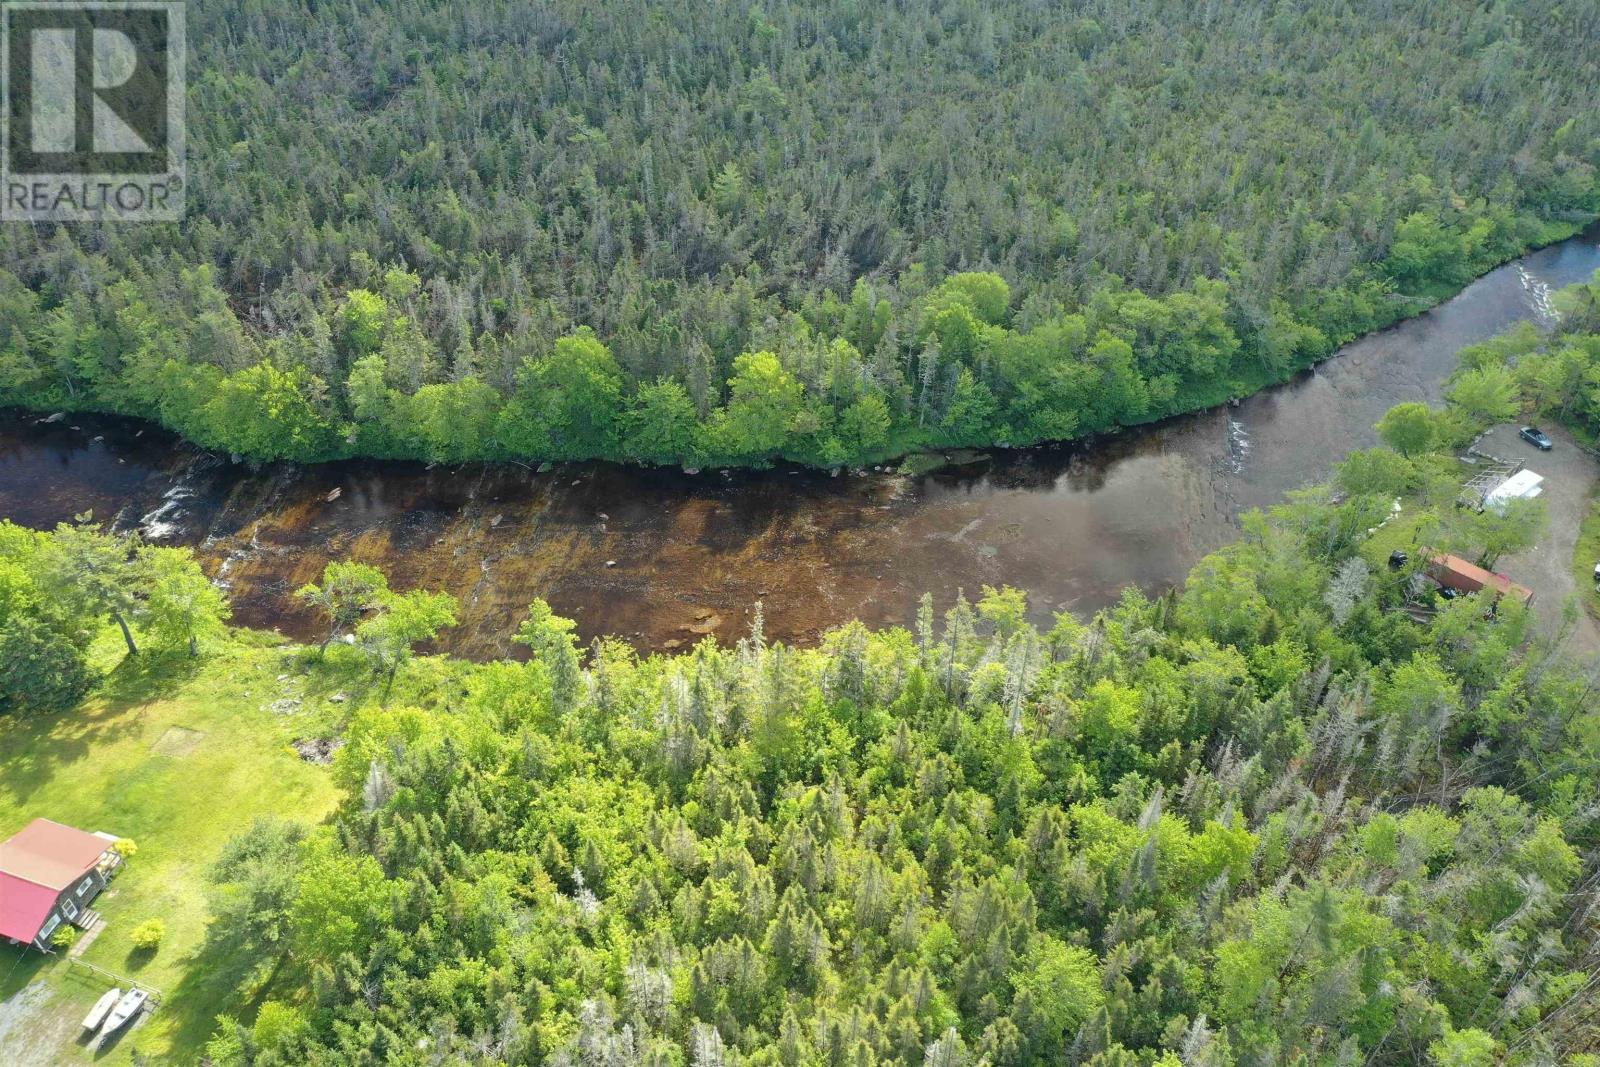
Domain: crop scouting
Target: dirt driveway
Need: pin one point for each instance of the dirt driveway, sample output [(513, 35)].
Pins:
[(1571, 476)]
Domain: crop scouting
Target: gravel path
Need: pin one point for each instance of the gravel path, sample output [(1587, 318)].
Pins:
[(1571, 478), (34, 1027)]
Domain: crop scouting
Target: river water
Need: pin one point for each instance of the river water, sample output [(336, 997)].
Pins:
[(661, 557)]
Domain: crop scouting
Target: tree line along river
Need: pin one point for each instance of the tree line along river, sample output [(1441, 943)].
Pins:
[(661, 557)]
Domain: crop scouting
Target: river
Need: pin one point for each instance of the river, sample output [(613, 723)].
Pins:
[(661, 558)]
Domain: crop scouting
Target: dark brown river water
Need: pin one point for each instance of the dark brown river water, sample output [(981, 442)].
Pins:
[(661, 557)]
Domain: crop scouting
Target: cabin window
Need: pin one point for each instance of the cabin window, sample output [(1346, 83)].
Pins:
[(83, 886), (70, 908), (48, 929)]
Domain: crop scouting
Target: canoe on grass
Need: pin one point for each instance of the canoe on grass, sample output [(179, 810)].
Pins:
[(126, 1009), (97, 1014)]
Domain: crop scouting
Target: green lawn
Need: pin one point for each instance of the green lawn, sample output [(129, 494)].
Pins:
[(1586, 556), (178, 755)]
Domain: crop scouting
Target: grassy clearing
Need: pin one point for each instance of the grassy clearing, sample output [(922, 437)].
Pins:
[(1423, 511), (1404, 532), (178, 755), (1586, 556)]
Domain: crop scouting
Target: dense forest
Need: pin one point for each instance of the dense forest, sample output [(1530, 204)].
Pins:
[(1268, 819), (720, 233)]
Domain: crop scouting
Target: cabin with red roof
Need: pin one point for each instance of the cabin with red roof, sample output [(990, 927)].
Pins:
[(48, 875)]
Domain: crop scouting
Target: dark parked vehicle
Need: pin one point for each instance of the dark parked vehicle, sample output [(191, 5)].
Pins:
[(1537, 438)]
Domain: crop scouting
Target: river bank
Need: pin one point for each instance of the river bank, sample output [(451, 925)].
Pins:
[(662, 557)]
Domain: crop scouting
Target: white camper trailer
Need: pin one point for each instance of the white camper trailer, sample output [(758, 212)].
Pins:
[(1523, 485)]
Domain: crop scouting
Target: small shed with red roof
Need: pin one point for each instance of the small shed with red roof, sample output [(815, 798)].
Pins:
[(48, 875), (1456, 573)]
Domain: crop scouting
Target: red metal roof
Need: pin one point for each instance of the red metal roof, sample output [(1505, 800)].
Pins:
[(24, 907), (49, 854), (1457, 573), (36, 864)]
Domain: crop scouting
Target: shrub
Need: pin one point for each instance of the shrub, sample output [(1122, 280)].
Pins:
[(148, 934), (44, 669), (64, 936), (125, 847)]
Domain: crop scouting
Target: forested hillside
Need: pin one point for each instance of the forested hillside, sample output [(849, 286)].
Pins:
[(826, 231), (1261, 824)]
